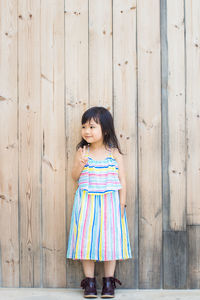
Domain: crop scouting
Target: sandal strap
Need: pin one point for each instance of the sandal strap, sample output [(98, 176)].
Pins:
[(84, 283), (115, 280)]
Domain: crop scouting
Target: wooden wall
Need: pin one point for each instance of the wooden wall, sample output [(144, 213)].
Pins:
[(140, 59)]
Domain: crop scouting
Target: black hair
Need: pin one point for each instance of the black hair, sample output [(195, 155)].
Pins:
[(103, 117)]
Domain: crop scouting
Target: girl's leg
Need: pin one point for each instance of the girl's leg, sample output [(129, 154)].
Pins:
[(109, 268), (88, 268)]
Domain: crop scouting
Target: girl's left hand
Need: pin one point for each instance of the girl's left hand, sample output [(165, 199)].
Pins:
[(122, 209)]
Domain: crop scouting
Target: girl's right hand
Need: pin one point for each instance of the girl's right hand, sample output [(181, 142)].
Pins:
[(83, 157)]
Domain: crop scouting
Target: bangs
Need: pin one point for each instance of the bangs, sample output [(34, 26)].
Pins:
[(88, 115)]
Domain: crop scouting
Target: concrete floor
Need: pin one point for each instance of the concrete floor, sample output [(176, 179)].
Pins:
[(76, 294)]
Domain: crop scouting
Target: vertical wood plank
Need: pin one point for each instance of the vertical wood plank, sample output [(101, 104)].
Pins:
[(76, 93), (165, 126), (53, 155), (176, 113), (9, 247), (173, 141), (174, 260), (30, 142), (149, 144), (125, 114), (193, 257), (100, 53), (192, 11)]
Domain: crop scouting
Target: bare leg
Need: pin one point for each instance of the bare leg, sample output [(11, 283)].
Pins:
[(109, 268), (88, 268)]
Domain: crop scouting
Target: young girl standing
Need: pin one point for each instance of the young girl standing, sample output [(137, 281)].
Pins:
[(99, 229)]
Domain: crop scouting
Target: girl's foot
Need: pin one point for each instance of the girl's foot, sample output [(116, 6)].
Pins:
[(108, 290), (89, 284)]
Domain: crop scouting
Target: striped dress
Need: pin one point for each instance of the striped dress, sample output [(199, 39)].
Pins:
[(97, 230)]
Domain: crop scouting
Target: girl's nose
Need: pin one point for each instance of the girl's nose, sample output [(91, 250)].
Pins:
[(87, 130)]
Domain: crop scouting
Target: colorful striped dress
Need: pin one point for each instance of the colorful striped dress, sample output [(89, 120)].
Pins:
[(97, 230)]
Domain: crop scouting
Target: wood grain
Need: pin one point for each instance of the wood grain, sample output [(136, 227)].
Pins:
[(30, 143), (100, 53), (193, 276), (192, 24), (53, 138), (176, 114), (9, 199), (149, 144), (175, 260), (125, 117), (139, 59)]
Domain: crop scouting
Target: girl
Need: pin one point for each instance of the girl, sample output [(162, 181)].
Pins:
[(99, 230)]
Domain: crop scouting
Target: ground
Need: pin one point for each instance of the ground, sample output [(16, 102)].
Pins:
[(76, 294)]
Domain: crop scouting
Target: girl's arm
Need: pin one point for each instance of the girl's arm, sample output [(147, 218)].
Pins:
[(122, 177), (79, 162)]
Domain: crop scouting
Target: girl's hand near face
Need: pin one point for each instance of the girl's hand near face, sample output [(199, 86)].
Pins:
[(80, 161), (83, 157)]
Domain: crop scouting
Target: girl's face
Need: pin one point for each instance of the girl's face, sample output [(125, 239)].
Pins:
[(91, 132)]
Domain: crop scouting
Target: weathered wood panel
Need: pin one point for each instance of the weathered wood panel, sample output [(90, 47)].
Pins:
[(29, 142), (125, 116), (192, 23), (140, 59), (53, 233), (192, 19), (193, 257), (175, 260), (149, 144), (173, 145), (176, 113), (165, 119), (9, 230), (100, 53)]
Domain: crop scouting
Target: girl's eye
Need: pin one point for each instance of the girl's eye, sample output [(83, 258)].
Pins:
[(90, 127)]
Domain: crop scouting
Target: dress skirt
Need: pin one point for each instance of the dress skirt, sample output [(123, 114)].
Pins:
[(97, 230)]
